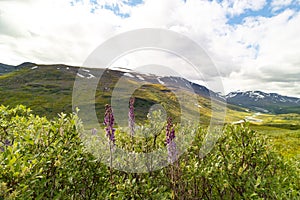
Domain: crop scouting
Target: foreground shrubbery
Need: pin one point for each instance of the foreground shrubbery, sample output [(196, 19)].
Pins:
[(41, 159)]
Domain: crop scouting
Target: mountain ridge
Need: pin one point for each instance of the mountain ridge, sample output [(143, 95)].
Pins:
[(264, 102), (253, 100)]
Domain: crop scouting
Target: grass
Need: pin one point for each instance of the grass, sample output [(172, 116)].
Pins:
[(282, 140), (48, 91), (45, 90)]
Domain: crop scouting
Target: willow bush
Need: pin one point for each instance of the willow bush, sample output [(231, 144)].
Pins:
[(42, 159)]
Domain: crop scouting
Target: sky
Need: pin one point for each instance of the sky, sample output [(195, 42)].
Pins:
[(254, 44)]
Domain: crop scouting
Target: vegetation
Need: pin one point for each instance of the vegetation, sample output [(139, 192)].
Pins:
[(54, 157), (284, 141), (47, 90), (49, 159)]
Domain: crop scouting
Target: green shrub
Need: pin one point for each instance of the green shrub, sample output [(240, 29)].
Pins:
[(42, 159), (45, 159), (240, 166)]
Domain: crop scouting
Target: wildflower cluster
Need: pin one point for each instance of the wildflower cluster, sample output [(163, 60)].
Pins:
[(110, 131), (109, 123), (131, 117), (171, 144)]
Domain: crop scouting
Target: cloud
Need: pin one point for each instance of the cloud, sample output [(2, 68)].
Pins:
[(52, 31), (276, 59), (258, 53), (278, 4), (237, 7), (203, 21), (121, 8)]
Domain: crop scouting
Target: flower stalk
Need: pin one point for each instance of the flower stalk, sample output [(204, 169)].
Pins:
[(109, 123), (131, 117), (110, 133), (171, 144)]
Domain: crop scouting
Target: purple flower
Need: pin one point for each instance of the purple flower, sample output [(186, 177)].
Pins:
[(7, 142), (171, 144), (131, 118), (172, 152), (109, 123)]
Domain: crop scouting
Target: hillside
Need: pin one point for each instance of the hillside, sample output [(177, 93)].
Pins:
[(47, 90)]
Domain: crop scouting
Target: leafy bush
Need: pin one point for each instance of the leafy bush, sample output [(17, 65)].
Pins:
[(45, 159), (42, 159), (241, 166)]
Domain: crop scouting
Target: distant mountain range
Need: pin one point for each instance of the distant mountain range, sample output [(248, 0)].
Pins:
[(51, 83), (264, 102), (6, 68)]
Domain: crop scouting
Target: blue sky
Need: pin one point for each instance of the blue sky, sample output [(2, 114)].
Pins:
[(112, 6), (266, 11), (253, 43)]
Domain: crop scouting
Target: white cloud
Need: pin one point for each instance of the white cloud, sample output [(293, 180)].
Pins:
[(237, 7), (281, 2), (277, 60), (52, 31), (278, 4), (122, 5), (261, 53)]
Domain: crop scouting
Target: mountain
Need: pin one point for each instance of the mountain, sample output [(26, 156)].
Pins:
[(47, 90), (175, 82), (264, 102), (4, 68)]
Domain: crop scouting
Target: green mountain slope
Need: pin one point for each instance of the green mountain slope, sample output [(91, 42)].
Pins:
[(47, 90)]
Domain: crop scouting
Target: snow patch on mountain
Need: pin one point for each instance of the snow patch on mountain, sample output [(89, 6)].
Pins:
[(90, 76), (140, 77), (255, 94), (198, 105), (121, 69), (231, 95), (129, 75), (80, 75), (160, 81)]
